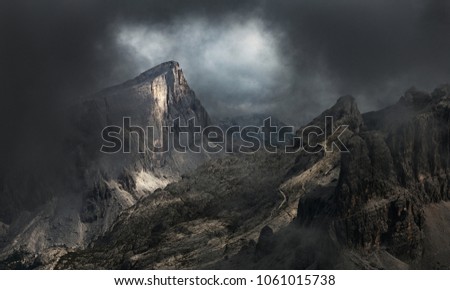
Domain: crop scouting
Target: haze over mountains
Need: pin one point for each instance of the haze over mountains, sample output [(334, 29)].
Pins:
[(382, 205)]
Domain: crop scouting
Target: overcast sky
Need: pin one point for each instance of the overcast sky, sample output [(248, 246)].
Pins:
[(289, 58)]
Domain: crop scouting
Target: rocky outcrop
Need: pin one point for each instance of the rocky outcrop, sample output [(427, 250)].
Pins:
[(398, 165), (376, 207)]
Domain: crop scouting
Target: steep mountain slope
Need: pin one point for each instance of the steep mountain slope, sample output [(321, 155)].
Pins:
[(389, 200), (99, 186)]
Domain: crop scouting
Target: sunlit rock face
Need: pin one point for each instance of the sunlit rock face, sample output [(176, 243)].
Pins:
[(103, 185), (153, 99)]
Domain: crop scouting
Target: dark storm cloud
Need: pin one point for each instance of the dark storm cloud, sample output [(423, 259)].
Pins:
[(54, 51), (371, 49), (234, 64)]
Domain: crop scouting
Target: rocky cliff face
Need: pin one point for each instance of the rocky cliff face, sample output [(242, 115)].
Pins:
[(390, 194), (101, 185), (399, 165), (154, 99)]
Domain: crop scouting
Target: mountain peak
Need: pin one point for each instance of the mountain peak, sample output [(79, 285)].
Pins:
[(416, 97), (163, 68), (347, 99)]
